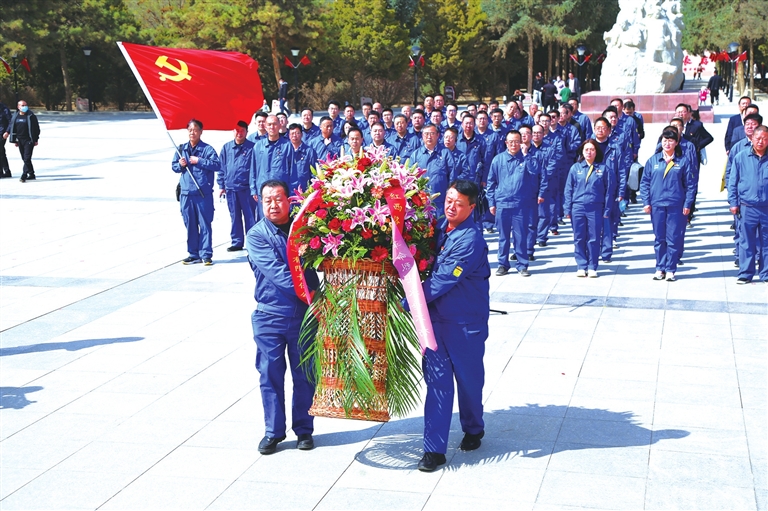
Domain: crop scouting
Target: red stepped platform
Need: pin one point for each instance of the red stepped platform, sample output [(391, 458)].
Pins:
[(656, 108)]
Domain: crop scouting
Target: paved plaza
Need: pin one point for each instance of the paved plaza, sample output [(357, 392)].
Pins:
[(128, 379)]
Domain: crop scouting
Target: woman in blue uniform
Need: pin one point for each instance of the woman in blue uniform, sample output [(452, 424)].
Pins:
[(587, 201), (667, 191)]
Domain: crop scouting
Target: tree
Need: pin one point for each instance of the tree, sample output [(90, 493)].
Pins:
[(453, 39)]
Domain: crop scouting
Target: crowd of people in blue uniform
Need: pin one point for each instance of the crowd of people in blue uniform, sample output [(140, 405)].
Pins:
[(521, 173)]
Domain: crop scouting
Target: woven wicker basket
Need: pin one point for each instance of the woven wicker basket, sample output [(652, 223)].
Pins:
[(372, 320)]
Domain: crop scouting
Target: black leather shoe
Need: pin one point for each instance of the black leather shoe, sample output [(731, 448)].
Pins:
[(430, 461), (268, 445), (305, 442), (542, 243), (514, 257), (501, 271), (235, 248), (31, 177), (471, 442), (531, 258)]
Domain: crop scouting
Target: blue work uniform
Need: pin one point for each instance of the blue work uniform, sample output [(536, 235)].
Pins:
[(307, 134), (616, 157), (514, 184), (403, 146), (736, 148), (440, 167), (276, 324), (587, 200), (474, 150), (460, 164), (667, 195), (271, 160), (458, 296), (555, 146), (326, 147), (571, 142), (338, 126), (234, 179), (585, 124), (748, 190), (301, 161), (197, 203)]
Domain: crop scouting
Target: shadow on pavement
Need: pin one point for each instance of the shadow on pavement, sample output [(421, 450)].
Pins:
[(68, 345), (16, 397), (530, 431)]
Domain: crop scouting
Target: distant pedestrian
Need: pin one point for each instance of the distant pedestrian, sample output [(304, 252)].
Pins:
[(714, 85), (282, 96), (5, 121), (24, 131)]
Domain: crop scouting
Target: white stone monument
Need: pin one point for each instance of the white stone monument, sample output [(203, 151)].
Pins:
[(643, 48)]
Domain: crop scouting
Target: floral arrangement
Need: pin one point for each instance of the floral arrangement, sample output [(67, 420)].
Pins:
[(353, 220), (359, 343)]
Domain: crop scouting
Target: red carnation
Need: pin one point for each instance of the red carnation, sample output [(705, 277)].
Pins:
[(379, 253), (334, 224), (314, 243), (366, 234), (416, 199), (347, 225), (423, 265), (363, 163), (321, 213)]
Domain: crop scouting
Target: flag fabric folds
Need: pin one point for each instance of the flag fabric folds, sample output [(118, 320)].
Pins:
[(217, 87)]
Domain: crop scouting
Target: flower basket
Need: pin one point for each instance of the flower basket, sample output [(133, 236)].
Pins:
[(360, 346)]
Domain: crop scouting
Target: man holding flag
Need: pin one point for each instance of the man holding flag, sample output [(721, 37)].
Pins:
[(196, 161)]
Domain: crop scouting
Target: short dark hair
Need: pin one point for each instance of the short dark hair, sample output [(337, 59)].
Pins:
[(497, 110), (452, 130), (568, 107), (325, 118), (368, 104), (334, 102), (684, 105), (467, 115), (275, 183), (603, 119), (386, 110), (353, 129), (378, 123), (418, 111), (294, 126), (512, 132), (753, 105), (745, 97), (400, 116), (312, 112), (610, 109), (629, 104), (467, 188), (261, 114), (196, 122), (754, 117), (611, 102)]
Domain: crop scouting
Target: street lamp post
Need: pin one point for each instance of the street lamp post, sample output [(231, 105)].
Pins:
[(581, 51), (87, 53), (416, 52), (733, 54), (15, 59), (295, 52)]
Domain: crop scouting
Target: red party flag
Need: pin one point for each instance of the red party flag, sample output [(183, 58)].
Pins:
[(740, 58), (288, 62), (7, 66), (217, 87), (305, 61), (24, 62)]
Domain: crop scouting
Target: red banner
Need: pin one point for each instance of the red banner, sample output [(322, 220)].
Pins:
[(294, 260), (217, 87), (7, 66)]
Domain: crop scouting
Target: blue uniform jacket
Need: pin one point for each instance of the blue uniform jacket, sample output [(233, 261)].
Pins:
[(514, 181), (494, 145), (267, 255), (338, 126), (675, 189), (271, 161), (474, 151), (440, 167), (571, 142), (207, 164), (586, 125), (460, 165), (614, 159), (596, 190), (5, 118), (302, 159), (333, 149), (542, 155), (236, 166), (308, 134), (736, 148), (628, 126), (403, 146), (255, 137), (734, 122), (458, 291), (748, 182)]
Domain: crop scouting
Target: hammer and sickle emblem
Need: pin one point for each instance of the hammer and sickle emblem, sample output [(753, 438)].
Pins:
[(182, 73)]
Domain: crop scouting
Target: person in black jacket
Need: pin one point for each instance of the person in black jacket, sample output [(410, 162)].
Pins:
[(24, 131), (714, 85), (735, 121), (5, 121)]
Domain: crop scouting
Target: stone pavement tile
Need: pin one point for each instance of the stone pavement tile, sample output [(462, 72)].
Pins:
[(700, 440), (164, 492), (703, 395), (606, 428), (45, 399), (109, 404), (75, 381), (503, 449), (223, 434), (497, 479), (663, 495), (753, 376), (630, 461), (42, 360), (14, 479), (63, 489), (205, 462), (672, 467), (754, 397), (461, 503), (614, 389), (143, 383), (116, 457), (595, 407), (355, 498), (591, 490), (539, 430), (757, 432), (674, 374), (613, 370), (751, 327), (701, 416), (268, 495), (696, 317), (14, 420), (77, 427), (26, 450), (249, 409), (504, 399), (695, 358), (144, 428), (689, 331), (18, 377), (760, 473), (697, 343), (554, 349)]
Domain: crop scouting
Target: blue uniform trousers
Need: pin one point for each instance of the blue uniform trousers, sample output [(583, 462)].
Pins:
[(547, 209), (515, 221), (198, 215), (274, 335), (533, 224), (610, 230), (242, 210), (669, 231), (460, 350), (587, 222), (753, 240), (557, 205)]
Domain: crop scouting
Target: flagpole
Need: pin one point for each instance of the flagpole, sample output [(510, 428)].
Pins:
[(152, 103)]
